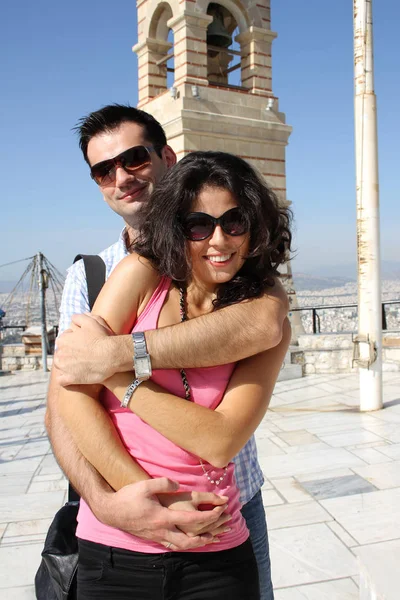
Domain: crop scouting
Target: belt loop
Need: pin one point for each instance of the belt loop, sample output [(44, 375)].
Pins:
[(111, 557)]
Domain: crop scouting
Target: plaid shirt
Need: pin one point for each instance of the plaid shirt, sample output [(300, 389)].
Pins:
[(248, 473)]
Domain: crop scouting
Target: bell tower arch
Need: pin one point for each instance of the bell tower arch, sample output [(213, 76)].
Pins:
[(222, 95)]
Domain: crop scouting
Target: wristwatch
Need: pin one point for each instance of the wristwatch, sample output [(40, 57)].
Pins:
[(141, 358)]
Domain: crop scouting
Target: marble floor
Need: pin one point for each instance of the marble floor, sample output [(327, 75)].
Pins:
[(332, 487)]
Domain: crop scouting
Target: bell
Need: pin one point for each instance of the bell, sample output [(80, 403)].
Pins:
[(217, 35)]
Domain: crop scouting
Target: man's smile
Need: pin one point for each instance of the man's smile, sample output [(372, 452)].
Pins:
[(134, 193)]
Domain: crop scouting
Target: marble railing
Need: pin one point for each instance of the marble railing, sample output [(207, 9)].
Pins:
[(333, 353)]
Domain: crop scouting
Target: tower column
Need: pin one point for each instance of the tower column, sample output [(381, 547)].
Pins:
[(256, 59), (190, 43), (152, 77)]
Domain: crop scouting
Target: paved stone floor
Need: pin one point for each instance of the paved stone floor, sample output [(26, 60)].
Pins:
[(332, 485)]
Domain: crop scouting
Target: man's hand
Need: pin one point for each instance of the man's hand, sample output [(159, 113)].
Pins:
[(83, 352), (191, 501), (137, 510)]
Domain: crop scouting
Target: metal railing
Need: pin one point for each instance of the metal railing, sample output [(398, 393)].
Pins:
[(316, 321)]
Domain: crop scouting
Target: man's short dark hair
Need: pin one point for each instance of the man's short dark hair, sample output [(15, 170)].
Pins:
[(111, 117)]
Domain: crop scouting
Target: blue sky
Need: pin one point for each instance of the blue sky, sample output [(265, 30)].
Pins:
[(62, 60)]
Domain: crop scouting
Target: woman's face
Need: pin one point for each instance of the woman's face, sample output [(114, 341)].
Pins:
[(219, 257)]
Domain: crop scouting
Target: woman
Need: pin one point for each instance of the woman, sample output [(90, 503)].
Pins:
[(212, 235)]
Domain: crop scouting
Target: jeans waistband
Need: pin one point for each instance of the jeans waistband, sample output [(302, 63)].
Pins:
[(128, 558)]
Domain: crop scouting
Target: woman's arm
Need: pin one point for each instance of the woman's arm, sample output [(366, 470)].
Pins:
[(96, 437), (129, 288), (223, 431), (214, 435), (98, 441)]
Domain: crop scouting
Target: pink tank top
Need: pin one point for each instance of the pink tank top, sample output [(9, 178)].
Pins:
[(161, 458)]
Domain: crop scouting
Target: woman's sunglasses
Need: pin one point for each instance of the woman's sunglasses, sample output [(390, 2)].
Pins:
[(199, 226), (130, 160)]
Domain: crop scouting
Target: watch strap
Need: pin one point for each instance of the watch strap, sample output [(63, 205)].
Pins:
[(129, 392), (139, 344)]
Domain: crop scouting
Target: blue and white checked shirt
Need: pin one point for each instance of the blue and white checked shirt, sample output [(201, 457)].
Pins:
[(75, 301)]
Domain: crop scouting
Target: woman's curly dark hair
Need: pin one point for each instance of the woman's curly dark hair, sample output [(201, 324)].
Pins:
[(161, 238)]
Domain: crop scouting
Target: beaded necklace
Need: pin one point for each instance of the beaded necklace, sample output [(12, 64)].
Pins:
[(186, 385)]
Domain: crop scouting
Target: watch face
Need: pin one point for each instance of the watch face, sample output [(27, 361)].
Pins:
[(142, 367)]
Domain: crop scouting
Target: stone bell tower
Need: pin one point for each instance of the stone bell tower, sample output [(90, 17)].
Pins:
[(204, 72)]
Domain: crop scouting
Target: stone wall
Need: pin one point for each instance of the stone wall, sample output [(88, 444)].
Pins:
[(326, 353), (13, 358), (332, 353), (391, 351)]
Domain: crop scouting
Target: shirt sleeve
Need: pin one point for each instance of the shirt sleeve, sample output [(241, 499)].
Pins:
[(75, 295)]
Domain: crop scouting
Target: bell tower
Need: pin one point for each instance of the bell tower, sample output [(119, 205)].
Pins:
[(204, 72)]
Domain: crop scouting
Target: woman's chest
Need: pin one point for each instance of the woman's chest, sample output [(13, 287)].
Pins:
[(169, 313)]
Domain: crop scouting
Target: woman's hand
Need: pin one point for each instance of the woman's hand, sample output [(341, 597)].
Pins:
[(205, 502)]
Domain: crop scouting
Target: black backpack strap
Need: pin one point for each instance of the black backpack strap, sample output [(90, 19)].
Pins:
[(95, 275), (95, 270), (73, 496)]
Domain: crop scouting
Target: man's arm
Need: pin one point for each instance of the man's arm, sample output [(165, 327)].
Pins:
[(135, 508), (83, 477), (227, 335), (92, 354), (225, 429)]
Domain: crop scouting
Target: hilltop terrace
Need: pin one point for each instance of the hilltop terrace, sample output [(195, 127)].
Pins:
[(331, 491)]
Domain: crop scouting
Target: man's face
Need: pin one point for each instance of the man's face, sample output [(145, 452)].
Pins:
[(126, 194)]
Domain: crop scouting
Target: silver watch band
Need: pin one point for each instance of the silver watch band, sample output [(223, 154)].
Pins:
[(139, 344), (129, 392)]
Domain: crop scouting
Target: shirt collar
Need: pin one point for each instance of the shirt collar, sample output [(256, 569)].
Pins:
[(122, 240)]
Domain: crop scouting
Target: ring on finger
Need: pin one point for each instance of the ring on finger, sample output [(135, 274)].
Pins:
[(168, 545)]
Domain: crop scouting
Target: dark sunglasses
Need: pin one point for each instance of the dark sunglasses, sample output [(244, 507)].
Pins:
[(130, 160), (199, 226)]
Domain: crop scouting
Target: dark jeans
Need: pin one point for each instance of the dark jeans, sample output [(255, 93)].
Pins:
[(256, 522), (106, 573)]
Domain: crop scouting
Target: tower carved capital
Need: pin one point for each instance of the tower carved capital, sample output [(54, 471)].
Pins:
[(256, 34), (152, 45), (190, 18)]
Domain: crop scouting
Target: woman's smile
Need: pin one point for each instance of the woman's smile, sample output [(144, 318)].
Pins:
[(220, 260)]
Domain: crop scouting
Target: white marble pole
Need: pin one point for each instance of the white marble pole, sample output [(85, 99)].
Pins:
[(369, 339)]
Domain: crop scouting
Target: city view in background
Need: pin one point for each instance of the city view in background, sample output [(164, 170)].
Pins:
[(23, 308)]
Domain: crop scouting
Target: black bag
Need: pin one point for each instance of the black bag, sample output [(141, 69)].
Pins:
[(56, 577)]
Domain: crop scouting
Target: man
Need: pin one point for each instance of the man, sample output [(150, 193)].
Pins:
[(128, 152)]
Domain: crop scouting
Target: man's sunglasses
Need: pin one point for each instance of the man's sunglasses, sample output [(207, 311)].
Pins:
[(199, 226), (130, 160)]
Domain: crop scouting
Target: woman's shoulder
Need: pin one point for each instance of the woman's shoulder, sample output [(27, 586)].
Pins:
[(134, 260), (138, 273), (138, 268), (125, 293)]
